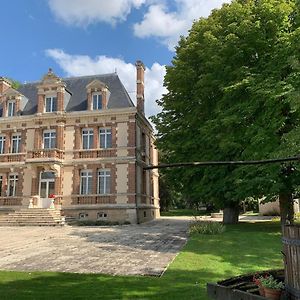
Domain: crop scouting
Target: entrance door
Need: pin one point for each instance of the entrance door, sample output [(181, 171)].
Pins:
[(47, 184)]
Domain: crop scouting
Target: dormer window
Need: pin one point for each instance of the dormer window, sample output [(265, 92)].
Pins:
[(97, 101), (50, 104), (11, 108)]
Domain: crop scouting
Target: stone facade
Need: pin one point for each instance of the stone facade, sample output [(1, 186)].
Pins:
[(75, 144)]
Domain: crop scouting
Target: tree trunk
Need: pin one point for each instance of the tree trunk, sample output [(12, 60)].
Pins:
[(286, 204), (231, 215)]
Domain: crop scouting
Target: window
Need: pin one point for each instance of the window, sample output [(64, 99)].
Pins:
[(103, 182), (1, 183), (86, 182), (11, 108), (87, 138), (12, 185), (50, 104), (49, 139), (2, 144), (15, 143), (97, 101), (101, 215), (83, 216), (105, 137)]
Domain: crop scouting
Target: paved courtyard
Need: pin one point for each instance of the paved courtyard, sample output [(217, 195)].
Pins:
[(145, 249)]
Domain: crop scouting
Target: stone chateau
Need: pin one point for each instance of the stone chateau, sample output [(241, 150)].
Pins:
[(78, 146)]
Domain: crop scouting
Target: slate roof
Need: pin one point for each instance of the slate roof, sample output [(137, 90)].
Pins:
[(76, 86)]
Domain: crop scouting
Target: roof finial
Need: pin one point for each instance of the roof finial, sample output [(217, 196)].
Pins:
[(50, 70)]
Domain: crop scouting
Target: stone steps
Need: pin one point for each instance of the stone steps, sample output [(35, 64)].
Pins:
[(32, 217)]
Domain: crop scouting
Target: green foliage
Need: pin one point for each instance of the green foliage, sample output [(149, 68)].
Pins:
[(271, 283), (233, 94), (98, 223), (14, 83), (206, 227)]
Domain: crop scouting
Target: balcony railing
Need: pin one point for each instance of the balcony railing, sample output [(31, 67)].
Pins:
[(46, 153), (10, 201), (95, 153), (12, 157), (93, 199)]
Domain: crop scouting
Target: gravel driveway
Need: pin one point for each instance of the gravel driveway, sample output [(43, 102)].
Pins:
[(145, 249)]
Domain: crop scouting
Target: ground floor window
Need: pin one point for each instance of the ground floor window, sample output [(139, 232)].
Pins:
[(12, 185), (86, 182), (1, 183), (104, 182), (101, 215)]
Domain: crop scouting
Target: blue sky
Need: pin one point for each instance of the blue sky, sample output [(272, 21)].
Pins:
[(84, 37)]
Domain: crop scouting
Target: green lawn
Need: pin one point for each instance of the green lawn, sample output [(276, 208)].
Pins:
[(242, 248)]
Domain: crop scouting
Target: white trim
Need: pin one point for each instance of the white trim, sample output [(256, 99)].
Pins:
[(106, 176), (15, 137), (15, 182), (106, 133), (51, 104), (2, 148), (11, 112), (87, 177), (89, 133), (50, 138)]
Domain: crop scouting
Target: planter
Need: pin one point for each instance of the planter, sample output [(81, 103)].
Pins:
[(272, 294), (261, 290)]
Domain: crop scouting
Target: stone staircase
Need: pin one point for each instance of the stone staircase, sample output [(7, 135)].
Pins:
[(33, 217)]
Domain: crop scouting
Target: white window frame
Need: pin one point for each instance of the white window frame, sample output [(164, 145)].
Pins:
[(88, 176), (1, 184), (2, 144), (98, 100), (14, 178), (15, 138), (102, 215), (51, 138), (89, 133), (11, 108), (104, 174), (105, 132), (53, 99)]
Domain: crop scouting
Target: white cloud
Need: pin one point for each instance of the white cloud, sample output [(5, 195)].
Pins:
[(86, 12), (78, 65), (169, 25)]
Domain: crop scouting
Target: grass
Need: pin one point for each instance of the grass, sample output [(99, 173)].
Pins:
[(183, 213), (240, 249)]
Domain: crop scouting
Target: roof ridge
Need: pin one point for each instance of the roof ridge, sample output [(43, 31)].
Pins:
[(86, 76), (72, 77)]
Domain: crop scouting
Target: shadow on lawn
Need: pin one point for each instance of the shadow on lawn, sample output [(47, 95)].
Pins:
[(62, 286)]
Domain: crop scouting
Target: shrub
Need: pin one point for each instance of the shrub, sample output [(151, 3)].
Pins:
[(271, 283), (206, 227), (99, 223), (272, 213)]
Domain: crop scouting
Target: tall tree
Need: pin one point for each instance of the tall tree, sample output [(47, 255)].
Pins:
[(233, 94)]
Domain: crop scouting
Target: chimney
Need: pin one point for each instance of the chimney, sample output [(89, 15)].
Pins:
[(140, 101), (4, 85)]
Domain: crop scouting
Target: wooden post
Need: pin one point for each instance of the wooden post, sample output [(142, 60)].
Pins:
[(291, 250)]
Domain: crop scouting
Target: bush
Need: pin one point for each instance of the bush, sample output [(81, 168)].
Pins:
[(272, 213), (99, 223), (206, 227)]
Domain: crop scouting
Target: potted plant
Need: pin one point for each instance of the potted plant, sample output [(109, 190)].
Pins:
[(257, 281), (272, 287)]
